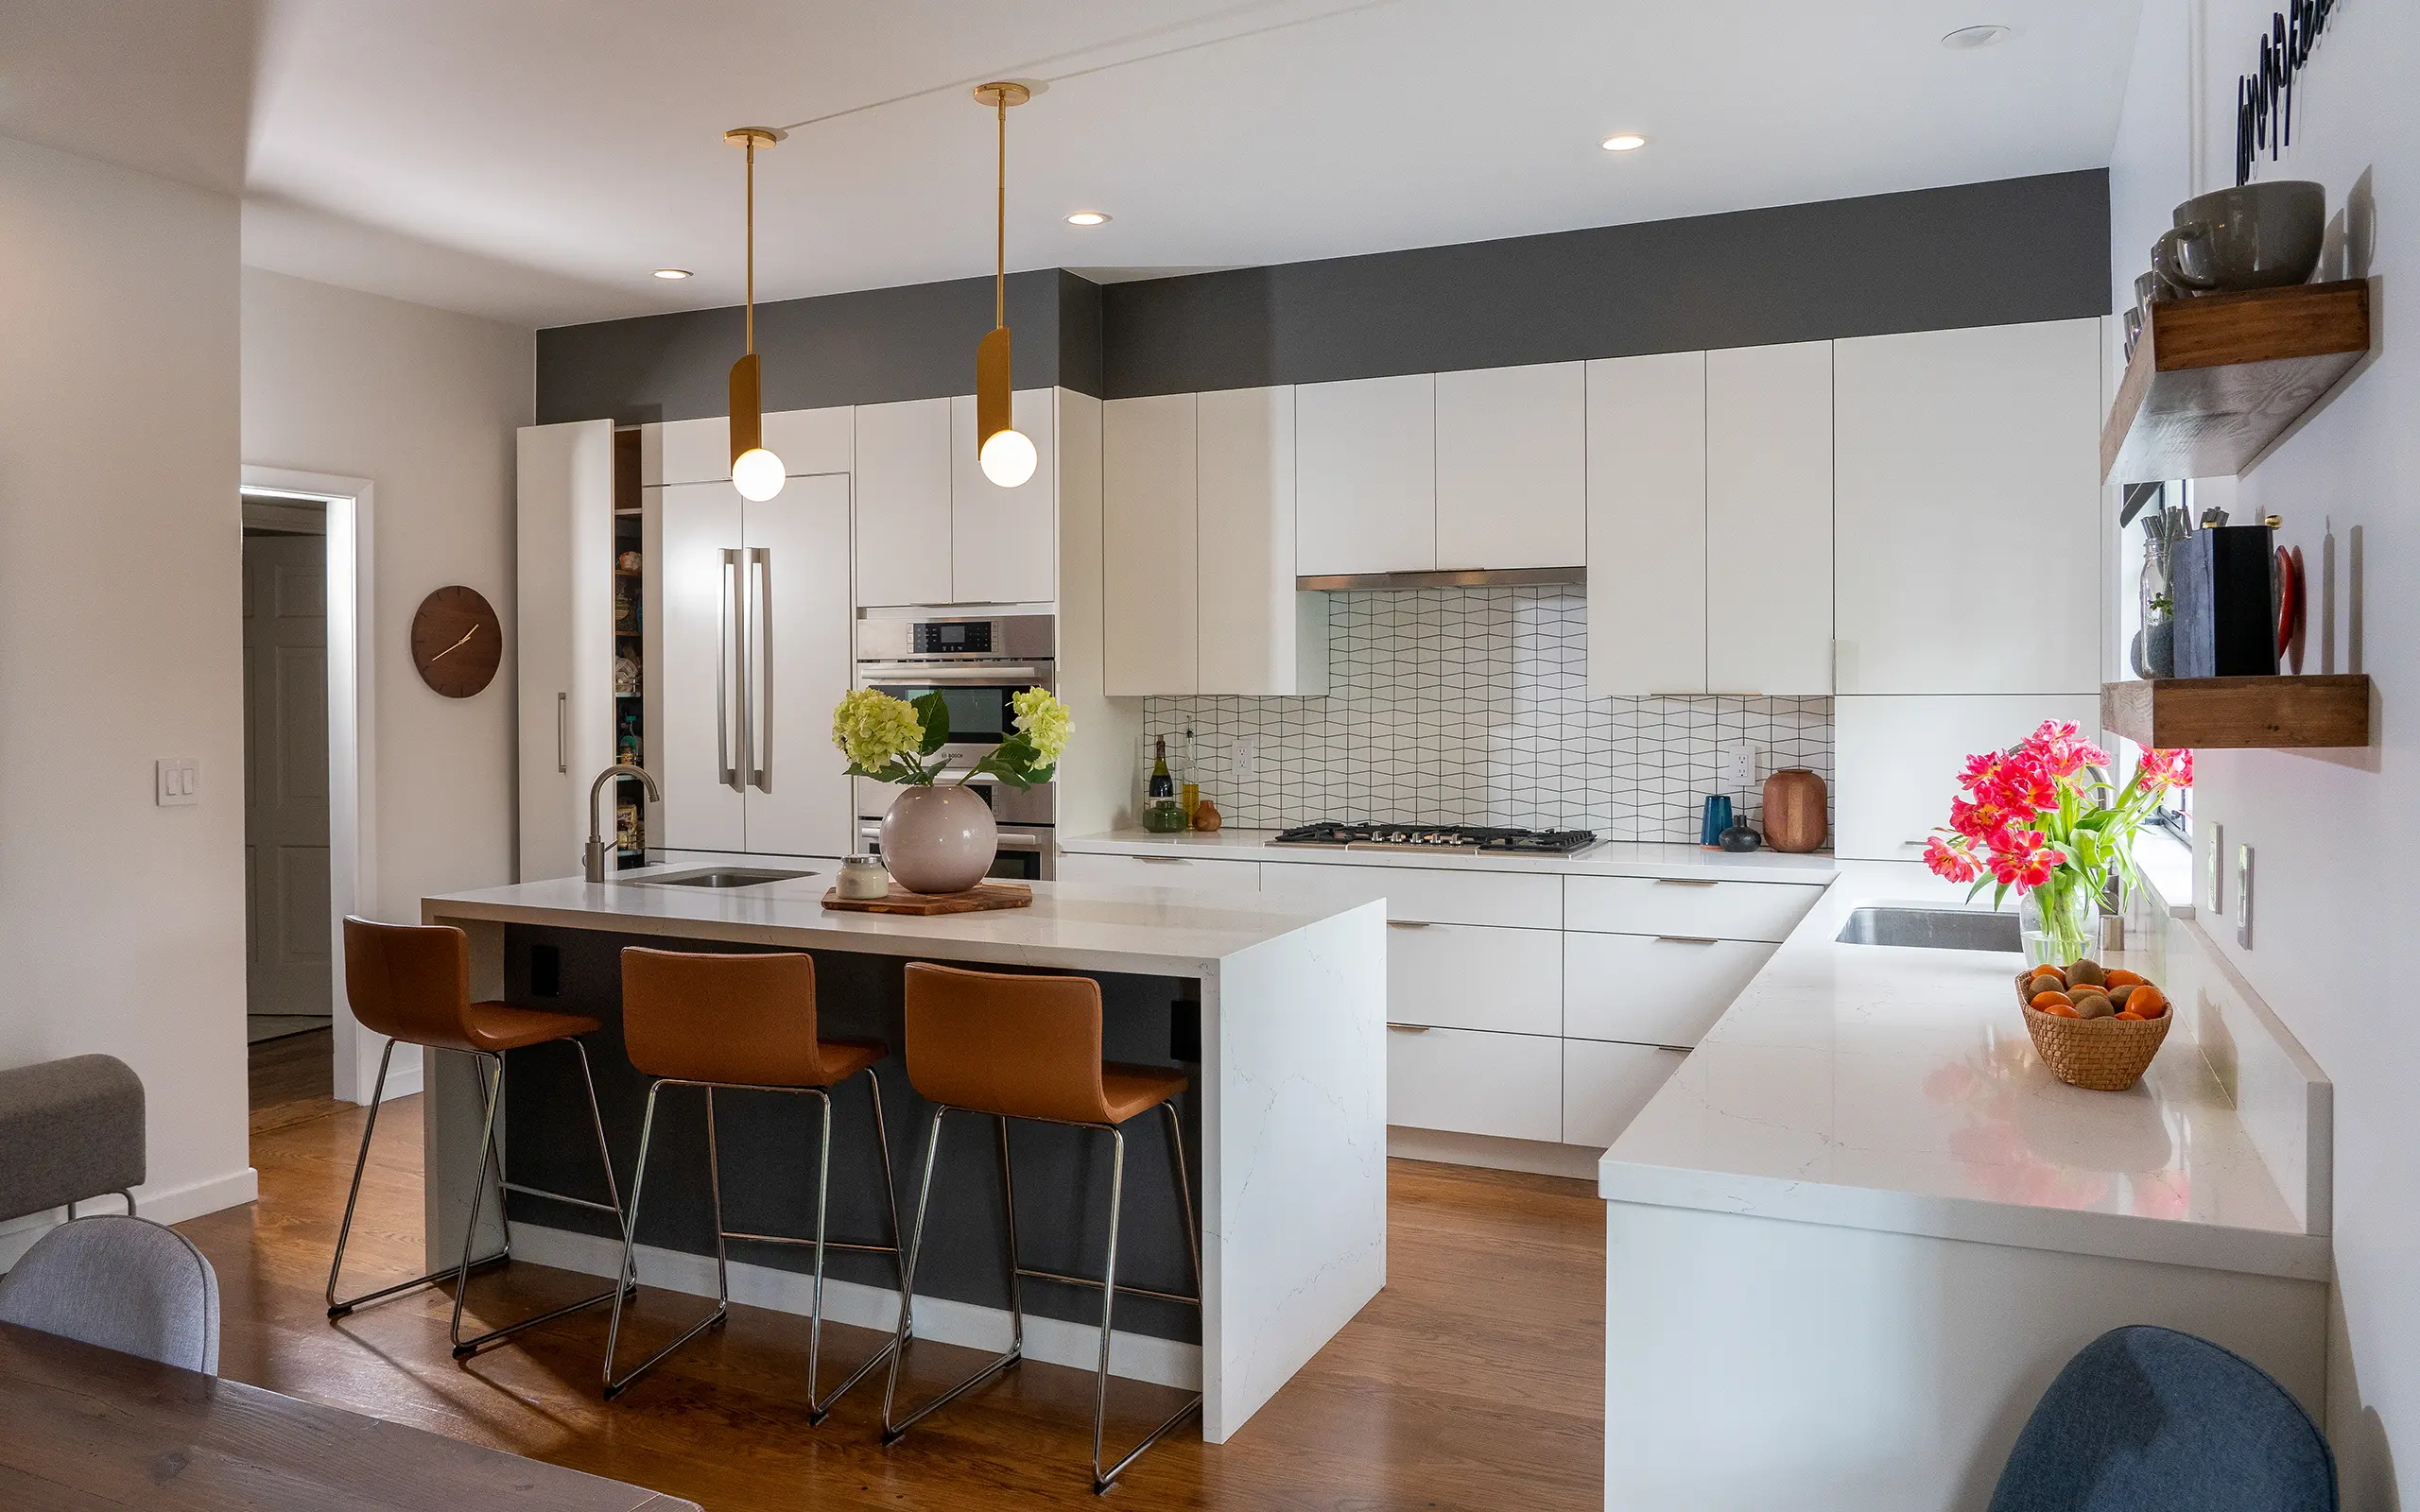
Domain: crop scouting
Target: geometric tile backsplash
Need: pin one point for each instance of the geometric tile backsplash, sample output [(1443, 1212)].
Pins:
[(1470, 706)]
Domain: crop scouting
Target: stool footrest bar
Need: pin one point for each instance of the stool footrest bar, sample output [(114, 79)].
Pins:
[(1093, 1283), (557, 1197)]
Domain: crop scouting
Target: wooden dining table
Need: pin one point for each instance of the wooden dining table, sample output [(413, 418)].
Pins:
[(84, 1428)]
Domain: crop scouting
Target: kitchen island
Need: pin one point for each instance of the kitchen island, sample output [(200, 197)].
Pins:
[(1279, 1017)]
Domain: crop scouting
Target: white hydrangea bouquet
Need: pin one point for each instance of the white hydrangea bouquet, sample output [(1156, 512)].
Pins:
[(893, 740)]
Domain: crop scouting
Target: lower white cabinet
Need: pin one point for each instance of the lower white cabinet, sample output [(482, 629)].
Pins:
[(1511, 900), (1462, 977), (1652, 990), (1604, 1085), (1162, 871), (1899, 757), (1676, 905), (1467, 1082)]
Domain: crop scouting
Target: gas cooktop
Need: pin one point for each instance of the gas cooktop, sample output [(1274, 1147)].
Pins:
[(1451, 837)]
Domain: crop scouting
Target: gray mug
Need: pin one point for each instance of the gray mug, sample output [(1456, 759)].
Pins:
[(2253, 237)]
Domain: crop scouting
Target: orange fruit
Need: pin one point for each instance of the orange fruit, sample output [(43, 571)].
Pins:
[(2060, 1010), (2044, 1000), (2147, 1001), (2052, 973), (2126, 979), (2131, 1017)]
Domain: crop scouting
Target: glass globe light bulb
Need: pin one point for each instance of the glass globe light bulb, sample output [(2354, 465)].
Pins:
[(1009, 458), (758, 474)]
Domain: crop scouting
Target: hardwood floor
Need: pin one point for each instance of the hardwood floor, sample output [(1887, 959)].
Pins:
[(293, 1077), (1474, 1381)]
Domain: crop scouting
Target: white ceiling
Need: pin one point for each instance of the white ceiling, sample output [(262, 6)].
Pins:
[(533, 160)]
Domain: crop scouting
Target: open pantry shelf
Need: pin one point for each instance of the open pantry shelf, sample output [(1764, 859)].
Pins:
[(2212, 713)]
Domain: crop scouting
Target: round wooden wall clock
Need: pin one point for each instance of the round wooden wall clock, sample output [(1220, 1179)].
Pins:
[(456, 642)]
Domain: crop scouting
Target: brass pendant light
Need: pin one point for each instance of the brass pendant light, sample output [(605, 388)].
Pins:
[(757, 474), (1007, 455)]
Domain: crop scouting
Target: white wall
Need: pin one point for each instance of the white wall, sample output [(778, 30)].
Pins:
[(2335, 833), (122, 923), (422, 402)]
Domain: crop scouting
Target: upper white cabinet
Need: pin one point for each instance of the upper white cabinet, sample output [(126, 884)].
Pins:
[(1512, 467), (1148, 502), (1003, 543), (1647, 469), (903, 502), (1769, 519), (1898, 760), (1967, 506), (1365, 475), (699, 451)]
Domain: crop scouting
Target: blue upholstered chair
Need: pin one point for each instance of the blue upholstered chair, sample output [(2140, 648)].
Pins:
[(2148, 1420), (127, 1284)]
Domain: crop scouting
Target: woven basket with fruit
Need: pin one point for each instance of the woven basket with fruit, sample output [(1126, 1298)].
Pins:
[(2094, 1028)]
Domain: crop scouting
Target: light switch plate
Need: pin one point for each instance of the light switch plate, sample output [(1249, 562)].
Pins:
[(179, 781), (1740, 767), (2243, 896)]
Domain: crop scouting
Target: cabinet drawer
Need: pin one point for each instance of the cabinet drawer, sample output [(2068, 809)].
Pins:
[(1163, 871), (1651, 989), (1712, 910), (1506, 898), (1507, 1085), (1462, 977), (1605, 1084)]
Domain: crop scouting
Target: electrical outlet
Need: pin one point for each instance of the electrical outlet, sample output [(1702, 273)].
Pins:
[(1246, 764), (179, 781), (1740, 767)]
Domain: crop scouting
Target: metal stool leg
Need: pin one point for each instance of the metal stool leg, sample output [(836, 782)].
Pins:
[(893, 1430), (629, 1241), (1104, 1480), (338, 1308)]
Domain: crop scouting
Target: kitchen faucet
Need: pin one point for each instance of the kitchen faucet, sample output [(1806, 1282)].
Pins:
[(595, 857)]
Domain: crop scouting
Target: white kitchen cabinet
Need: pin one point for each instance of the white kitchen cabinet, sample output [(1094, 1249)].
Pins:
[(1688, 906), (808, 441), (1466, 1082), (1652, 990), (1456, 976), (1004, 542), (798, 542), (903, 502), (1967, 510), (1769, 520), (692, 698), (1365, 471), (1647, 562), (1255, 636), (1148, 556), (1206, 873), (1605, 1085), (1898, 760), (563, 635), (1513, 467), (1513, 899)]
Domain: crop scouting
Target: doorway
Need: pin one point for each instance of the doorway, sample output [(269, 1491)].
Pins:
[(288, 981)]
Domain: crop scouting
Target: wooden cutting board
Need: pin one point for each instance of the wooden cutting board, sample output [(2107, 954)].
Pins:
[(983, 898)]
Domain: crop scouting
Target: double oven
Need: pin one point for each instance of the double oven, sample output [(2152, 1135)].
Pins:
[(976, 662)]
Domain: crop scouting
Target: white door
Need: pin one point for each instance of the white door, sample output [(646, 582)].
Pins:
[(798, 618), (1512, 467), (285, 772), (1647, 524), (1148, 546), (903, 503), (1365, 475), (1257, 636), (1898, 760), (1967, 510), (1769, 519), (1004, 542), (694, 695), (563, 638)]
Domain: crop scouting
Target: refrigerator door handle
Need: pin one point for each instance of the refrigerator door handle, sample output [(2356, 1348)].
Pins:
[(728, 645), (760, 591), (562, 731)]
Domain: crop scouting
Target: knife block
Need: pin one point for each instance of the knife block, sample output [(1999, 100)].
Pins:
[(2225, 625)]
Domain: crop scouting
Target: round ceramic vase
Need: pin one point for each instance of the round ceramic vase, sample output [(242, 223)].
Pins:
[(939, 839)]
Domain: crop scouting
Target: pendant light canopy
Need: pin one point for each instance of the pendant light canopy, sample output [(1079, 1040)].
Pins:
[(757, 474), (1007, 455)]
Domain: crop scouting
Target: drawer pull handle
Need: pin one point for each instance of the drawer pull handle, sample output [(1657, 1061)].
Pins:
[(1687, 882), (1409, 1028), (1687, 939), (1678, 1049), (1407, 924), (1163, 861)]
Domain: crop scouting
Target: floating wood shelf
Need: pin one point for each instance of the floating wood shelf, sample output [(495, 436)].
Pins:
[(2216, 378), (2212, 713)]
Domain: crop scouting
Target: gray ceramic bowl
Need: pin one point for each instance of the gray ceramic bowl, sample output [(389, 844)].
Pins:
[(2254, 236)]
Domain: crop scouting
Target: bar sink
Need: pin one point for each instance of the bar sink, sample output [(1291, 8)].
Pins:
[(720, 877), (1938, 929)]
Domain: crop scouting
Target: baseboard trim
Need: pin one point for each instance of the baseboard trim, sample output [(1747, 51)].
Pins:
[(171, 1204), (402, 1081), (1050, 1340), (1535, 1157)]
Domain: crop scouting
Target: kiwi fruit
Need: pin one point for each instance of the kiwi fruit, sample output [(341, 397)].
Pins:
[(2119, 994), (2092, 1006), (2087, 974)]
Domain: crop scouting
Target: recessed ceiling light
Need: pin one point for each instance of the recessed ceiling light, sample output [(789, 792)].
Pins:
[(1087, 218), (1967, 39), (672, 272), (1626, 141)]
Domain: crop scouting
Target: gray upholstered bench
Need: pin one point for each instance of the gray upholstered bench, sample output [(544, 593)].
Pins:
[(70, 1130)]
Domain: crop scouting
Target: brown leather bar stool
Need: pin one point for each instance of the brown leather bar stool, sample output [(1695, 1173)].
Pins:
[(412, 983), (1029, 1047), (746, 1024)]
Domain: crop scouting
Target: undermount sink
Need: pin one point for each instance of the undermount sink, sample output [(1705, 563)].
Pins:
[(720, 877), (1938, 929)]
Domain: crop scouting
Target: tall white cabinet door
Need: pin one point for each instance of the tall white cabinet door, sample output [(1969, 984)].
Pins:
[(903, 503), (685, 451), (1148, 532), (1004, 542), (1365, 475), (1967, 508), (564, 640), (1512, 467), (693, 704), (799, 622), (810, 442), (1647, 524), (1898, 760), (1769, 519), (1257, 636)]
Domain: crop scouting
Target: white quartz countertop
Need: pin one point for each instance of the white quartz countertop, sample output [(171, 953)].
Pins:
[(1896, 1090), (1609, 858), (1155, 931)]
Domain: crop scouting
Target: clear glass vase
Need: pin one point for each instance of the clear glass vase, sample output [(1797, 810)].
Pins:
[(2056, 922)]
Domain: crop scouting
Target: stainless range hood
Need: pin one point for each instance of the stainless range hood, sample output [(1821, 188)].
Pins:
[(1476, 578)]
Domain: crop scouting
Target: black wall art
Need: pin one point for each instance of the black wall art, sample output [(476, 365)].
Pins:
[(2264, 109)]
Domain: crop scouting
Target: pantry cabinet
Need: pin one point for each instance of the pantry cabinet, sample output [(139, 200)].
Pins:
[(563, 635)]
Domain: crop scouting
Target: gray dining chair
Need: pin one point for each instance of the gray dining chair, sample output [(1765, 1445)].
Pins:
[(2148, 1420), (128, 1284)]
